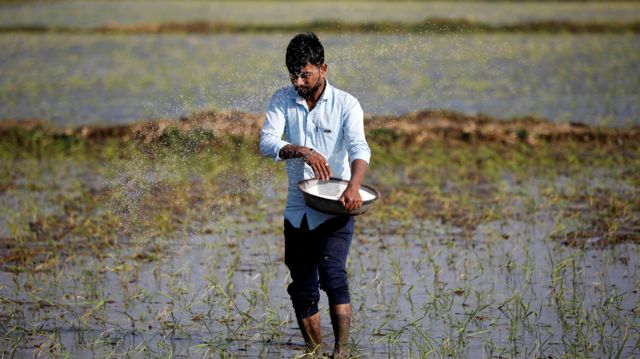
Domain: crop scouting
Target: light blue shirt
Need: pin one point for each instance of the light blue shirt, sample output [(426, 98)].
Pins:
[(335, 128)]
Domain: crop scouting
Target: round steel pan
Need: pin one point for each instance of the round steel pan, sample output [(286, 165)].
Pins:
[(320, 195)]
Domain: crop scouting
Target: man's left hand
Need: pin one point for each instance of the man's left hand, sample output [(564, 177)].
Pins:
[(351, 199)]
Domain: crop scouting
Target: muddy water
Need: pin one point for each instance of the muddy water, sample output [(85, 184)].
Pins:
[(507, 288), (564, 77), (508, 285)]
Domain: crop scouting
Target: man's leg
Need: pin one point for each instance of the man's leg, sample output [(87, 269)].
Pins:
[(301, 256), (336, 241), (341, 321), (310, 328)]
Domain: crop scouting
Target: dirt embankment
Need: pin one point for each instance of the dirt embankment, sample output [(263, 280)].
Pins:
[(415, 128), (427, 125)]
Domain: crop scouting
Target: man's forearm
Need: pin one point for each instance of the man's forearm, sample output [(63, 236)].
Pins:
[(358, 170), (293, 151), (314, 159)]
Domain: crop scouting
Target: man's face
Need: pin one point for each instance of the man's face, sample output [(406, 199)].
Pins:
[(308, 79)]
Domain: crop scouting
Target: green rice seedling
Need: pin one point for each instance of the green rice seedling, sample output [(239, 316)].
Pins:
[(397, 272)]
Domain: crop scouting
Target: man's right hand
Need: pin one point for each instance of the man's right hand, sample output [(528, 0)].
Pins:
[(318, 164), (314, 159)]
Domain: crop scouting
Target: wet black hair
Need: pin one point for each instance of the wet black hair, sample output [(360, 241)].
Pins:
[(304, 49)]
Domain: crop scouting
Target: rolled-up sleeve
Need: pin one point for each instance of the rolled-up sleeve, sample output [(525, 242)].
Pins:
[(271, 136), (354, 132)]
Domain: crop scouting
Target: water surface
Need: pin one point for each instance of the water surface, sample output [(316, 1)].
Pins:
[(80, 79)]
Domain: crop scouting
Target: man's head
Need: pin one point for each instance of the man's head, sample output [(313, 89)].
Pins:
[(305, 62)]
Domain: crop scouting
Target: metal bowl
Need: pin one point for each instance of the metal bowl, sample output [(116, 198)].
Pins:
[(323, 196)]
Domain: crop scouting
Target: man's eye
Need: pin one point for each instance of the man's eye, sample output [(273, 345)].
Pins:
[(303, 75)]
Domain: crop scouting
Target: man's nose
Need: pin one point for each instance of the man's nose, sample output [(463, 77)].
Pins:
[(298, 81)]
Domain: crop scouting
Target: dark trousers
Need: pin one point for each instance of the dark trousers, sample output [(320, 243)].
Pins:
[(316, 259)]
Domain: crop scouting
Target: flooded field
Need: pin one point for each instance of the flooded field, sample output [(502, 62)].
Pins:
[(174, 248), (498, 233), (65, 78), (92, 13)]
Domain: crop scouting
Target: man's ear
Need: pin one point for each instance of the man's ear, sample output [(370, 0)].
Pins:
[(323, 68)]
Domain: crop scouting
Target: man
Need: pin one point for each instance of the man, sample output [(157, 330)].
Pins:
[(323, 137)]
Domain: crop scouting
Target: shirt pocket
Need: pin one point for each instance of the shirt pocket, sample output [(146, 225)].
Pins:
[(328, 135)]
